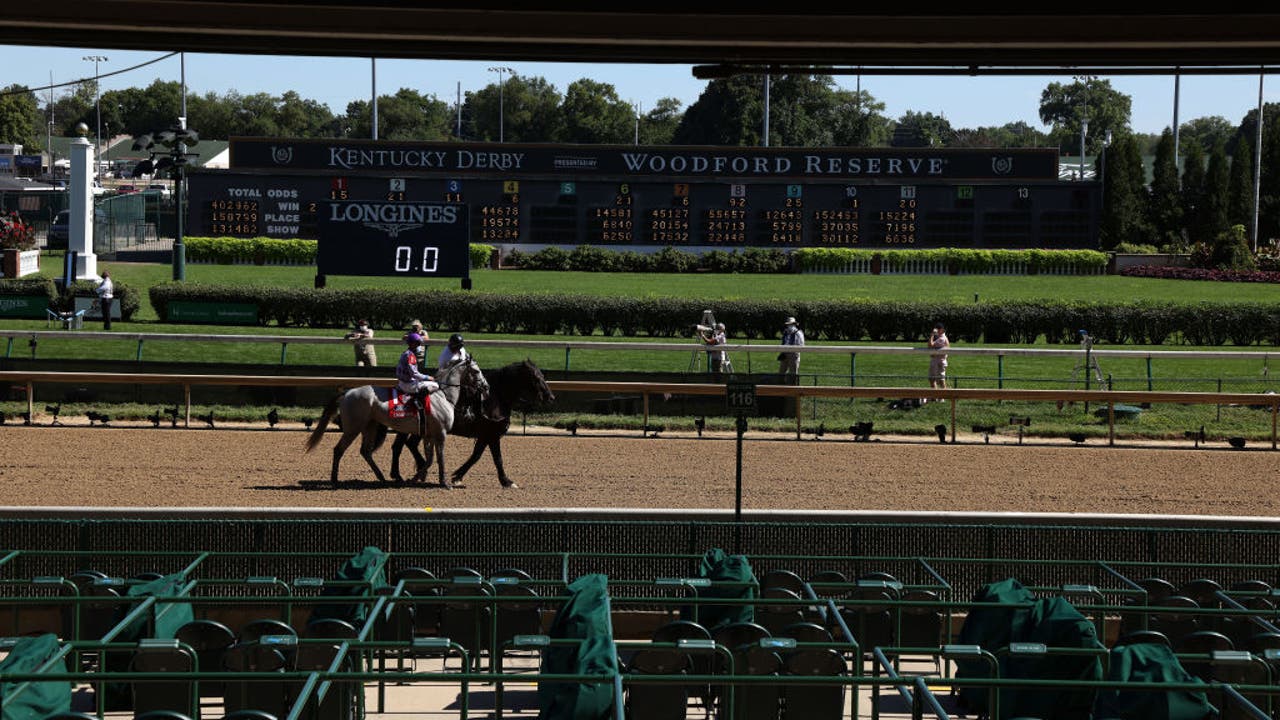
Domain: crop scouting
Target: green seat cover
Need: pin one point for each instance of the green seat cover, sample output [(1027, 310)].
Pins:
[(584, 616), (720, 567), (369, 567), (39, 699), (1150, 662), (1053, 622)]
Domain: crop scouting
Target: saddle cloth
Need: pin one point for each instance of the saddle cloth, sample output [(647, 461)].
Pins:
[(401, 406)]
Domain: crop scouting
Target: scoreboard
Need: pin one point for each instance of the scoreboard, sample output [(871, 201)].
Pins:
[(629, 196)]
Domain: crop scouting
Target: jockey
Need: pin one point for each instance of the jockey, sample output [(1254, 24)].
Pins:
[(453, 352), (411, 381)]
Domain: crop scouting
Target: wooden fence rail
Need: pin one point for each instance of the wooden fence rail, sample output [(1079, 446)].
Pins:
[(1107, 397)]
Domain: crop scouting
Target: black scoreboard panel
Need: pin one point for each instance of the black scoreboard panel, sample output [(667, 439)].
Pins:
[(648, 211)]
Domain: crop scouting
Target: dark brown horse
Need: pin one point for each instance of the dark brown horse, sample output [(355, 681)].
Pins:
[(517, 385)]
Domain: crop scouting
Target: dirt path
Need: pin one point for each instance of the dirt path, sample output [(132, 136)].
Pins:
[(145, 467)]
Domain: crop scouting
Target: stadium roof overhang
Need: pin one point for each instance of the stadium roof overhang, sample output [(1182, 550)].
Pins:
[(795, 34)]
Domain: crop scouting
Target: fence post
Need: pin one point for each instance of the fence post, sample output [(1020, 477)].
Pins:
[(566, 358), (1111, 422), (1000, 371), (139, 355), (284, 349), (853, 368), (186, 392), (1150, 386), (799, 407), (1219, 406), (644, 431), (9, 350), (1275, 409), (953, 421), (31, 401)]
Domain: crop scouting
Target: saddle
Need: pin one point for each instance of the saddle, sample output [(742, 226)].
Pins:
[(401, 405)]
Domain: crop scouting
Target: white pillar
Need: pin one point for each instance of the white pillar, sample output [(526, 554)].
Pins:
[(80, 231)]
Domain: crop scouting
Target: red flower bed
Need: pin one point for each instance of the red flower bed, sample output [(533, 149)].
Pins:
[(1186, 273)]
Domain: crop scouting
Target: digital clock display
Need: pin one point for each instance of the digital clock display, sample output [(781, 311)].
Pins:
[(379, 237)]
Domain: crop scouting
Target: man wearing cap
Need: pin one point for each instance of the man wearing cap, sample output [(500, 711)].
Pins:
[(789, 362), (415, 328)]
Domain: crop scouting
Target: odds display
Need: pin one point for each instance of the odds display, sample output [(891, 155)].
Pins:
[(704, 197)]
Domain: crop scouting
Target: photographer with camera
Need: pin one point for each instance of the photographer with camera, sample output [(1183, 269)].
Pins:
[(713, 336), (362, 337)]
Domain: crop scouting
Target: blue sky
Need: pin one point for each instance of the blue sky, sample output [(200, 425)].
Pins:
[(965, 101)]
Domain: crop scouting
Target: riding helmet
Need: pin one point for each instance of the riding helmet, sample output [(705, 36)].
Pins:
[(455, 339)]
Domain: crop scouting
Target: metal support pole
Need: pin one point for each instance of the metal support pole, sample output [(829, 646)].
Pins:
[(1275, 410), (741, 424), (645, 430), (31, 400), (8, 352), (1111, 422), (566, 359), (1257, 164), (138, 357), (186, 392), (1219, 405), (953, 421), (853, 369), (1150, 384), (799, 408), (1000, 372), (284, 351)]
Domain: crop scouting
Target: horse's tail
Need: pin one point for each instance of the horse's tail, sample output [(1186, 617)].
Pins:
[(329, 411), (380, 438)]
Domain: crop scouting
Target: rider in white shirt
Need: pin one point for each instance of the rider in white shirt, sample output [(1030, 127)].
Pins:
[(453, 352)]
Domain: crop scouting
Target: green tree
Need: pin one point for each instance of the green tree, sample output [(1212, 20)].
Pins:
[(658, 126), (1193, 188), (1240, 185), (1124, 208), (861, 121), (20, 119), (530, 111), (728, 112), (1165, 209), (301, 117), (1269, 200), (1211, 216), (1065, 106), (593, 114), (406, 115), (935, 130), (1206, 132), (74, 106), (211, 116), (1010, 135)]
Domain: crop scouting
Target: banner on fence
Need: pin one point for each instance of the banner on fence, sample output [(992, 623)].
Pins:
[(227, 313)]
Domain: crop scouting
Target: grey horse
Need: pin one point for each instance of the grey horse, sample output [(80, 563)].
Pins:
[(364, 412)]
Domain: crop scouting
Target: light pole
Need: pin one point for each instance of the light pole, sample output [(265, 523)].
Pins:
[(1102, 179), (97, 100), (1084, 130), (502, 71)]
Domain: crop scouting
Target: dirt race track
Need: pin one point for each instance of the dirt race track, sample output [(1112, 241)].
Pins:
[(145, 467)]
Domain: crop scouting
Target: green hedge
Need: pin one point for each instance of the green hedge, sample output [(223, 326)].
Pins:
[(126, 296), (589, 258), (973, 261), (261, 250), (1145, 323), (41, 286)]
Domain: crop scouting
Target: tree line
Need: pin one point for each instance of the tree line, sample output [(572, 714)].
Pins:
[(1209, 191)]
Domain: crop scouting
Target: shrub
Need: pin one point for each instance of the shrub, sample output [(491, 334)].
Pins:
[(480, 255), (41, 286), (1231, 250), (126, 296), (1136, 249)]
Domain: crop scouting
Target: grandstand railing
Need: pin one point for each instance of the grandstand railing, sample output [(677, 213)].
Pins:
[(1108, 398)]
